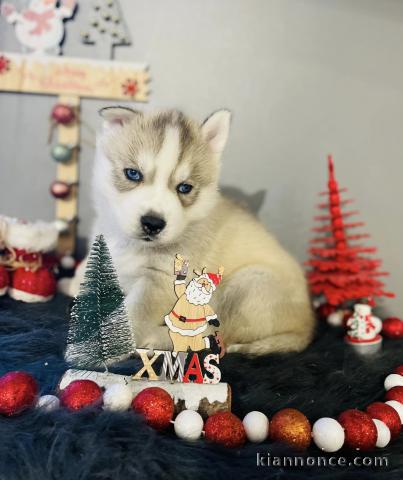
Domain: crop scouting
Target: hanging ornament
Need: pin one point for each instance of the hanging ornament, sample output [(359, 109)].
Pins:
[(360, 430), (63, 114), (81, 393), (290, 426), (62, 153), (256, 426), (61, 189), (156, 406), (18, 391), (393, 327), (328, 434), (387, 415), (188, 425), (117, 397), (226, 429)]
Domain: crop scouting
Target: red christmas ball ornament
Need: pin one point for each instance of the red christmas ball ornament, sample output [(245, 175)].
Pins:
[(290, 426), (337, 223), (360, 430), (399, 370), (156, 406), (393, 327), (62, 114), (395, 393), (81, 393), (226, 429), (60, 189), (18, 391), (387, 415)]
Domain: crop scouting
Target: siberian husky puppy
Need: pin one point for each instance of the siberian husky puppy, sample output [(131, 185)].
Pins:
[(155, 188)]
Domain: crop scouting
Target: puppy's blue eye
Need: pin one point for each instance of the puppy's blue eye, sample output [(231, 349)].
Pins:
[(184, 188), (133, 175)]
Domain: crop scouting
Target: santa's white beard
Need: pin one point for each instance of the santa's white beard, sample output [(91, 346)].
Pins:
[(196, 295)]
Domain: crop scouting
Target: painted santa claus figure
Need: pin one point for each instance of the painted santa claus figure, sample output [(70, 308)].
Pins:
[(190, 318), (40, 27)]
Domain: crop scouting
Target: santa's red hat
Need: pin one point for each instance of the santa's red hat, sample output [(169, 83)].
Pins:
[(214, 278)]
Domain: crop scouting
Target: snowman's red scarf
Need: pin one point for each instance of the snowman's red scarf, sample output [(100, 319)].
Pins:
[(41, 20)]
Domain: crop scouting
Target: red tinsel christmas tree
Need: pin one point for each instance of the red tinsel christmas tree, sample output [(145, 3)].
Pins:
[(341, 269)]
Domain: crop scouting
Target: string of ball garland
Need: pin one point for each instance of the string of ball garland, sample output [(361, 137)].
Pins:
[(380, 424)]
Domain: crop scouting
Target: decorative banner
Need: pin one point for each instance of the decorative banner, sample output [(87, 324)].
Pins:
[(74, 76)]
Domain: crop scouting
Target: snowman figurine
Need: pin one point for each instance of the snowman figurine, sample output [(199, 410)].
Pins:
[(363, 330), (40, 27)]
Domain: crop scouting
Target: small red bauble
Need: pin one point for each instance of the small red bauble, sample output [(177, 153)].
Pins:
[(360, 430), (41, 282), (60, 189), (81, 393), (398, 370), (18, 391), (393, 327), (62, 114), (156, 406), (226, 429), (387, 415), (395, 393), (290, 426)]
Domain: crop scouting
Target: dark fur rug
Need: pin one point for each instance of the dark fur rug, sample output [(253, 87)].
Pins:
[(322, 381)]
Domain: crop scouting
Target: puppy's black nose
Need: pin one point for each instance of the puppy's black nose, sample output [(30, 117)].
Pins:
[(152, 225)]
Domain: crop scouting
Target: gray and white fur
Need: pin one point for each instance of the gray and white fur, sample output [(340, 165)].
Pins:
[(262, 302)]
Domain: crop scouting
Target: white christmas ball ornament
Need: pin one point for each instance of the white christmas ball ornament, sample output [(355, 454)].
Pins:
[(328, 434), (117, 397), (383, 437), (398, 407), (67, 262), (188, 425), (48, 403), (335, 319), (256, 426), (393, 380)]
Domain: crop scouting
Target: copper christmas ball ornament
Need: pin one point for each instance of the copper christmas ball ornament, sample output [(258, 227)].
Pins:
[(18, 391), (156, 406), (226, 429), (61, 153), (290, 426), (360, 430), (60, 189), (63, 114), (395, 393), (81, 393), (387, 415)]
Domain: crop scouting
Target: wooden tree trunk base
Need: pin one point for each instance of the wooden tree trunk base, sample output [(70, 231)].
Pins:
[(202, 397)]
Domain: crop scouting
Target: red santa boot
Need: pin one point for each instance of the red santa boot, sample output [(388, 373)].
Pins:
[(4, 280), (27, 242)]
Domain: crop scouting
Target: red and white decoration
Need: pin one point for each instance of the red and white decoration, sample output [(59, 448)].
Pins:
[(380, 424), (26, 243), (40, 27), (363, 330)]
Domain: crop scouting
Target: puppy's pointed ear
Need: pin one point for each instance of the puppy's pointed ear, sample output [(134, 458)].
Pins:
[(215, 130), (117, 116)]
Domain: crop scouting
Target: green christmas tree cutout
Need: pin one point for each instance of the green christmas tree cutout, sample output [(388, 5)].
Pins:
[(99, 332)]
